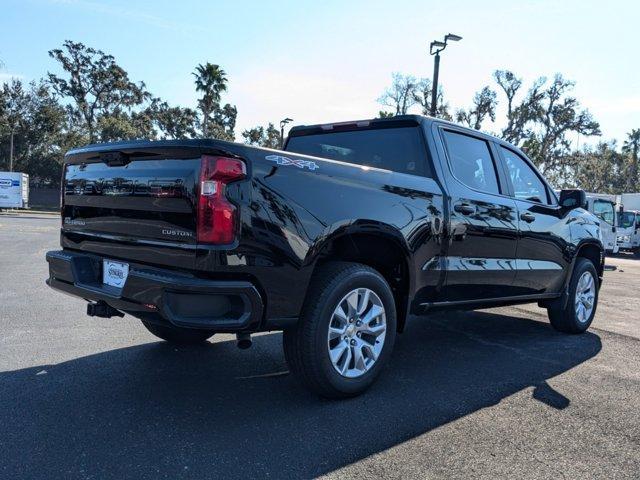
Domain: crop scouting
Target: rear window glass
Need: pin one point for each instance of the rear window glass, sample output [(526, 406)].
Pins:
[(397, 149)]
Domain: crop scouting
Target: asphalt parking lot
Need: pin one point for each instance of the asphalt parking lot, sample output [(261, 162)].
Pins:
[(484, 394)]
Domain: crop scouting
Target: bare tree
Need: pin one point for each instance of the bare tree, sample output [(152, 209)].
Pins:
[(401, 96), (423, 98), (556, 115), (484, 105)]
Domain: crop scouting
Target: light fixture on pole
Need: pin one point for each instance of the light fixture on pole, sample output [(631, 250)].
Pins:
[(282, 124)]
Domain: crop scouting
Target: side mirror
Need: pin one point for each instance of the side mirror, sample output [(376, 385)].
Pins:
[(571, 199)]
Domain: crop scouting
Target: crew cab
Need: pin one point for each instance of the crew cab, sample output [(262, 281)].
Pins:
[(335, 240)]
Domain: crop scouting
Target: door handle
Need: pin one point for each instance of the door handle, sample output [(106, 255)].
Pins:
[(527, 217), (464, 208)]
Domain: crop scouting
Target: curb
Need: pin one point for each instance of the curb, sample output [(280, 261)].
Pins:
[(29, 212)]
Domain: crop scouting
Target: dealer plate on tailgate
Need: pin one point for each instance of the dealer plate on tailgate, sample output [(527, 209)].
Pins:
[(114, 273)]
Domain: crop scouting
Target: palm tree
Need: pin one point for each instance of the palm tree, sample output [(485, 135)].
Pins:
[(631, 146), (211, 80)]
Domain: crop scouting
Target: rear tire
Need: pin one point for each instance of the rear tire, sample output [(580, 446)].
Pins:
[(346, 332), (580, 308), (178, 335)]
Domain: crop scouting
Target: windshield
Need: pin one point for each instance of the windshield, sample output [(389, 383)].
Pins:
[(603, 209), (626, 219)]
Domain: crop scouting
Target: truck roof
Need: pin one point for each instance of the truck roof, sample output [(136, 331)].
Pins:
[(389, 122), (365, 124)]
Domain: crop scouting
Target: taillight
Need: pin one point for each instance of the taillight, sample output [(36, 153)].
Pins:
[(217, 216)]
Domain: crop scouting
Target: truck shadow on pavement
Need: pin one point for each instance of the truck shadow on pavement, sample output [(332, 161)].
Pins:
[(155, 410)]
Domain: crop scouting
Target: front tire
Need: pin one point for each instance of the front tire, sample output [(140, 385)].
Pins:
[(580, 308), (346, 332), (178, 335)]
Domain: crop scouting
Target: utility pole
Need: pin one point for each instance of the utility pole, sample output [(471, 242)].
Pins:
[(434, 49), (13, 129)]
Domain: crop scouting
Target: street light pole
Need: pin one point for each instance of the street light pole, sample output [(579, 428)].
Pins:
[(434, 49), (434, 87), (282, 124), (11, 148)]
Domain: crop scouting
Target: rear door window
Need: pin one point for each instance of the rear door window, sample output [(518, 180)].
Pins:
[(527, 185), (471, 161), (397, 149)]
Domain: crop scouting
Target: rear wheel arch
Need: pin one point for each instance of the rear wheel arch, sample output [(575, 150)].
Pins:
[(594, 253), (384, 252)]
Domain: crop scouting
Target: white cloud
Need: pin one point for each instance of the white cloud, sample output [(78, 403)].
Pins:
[(264, 96), (149, 19)]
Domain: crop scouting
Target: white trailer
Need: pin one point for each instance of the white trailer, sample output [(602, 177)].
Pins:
[(14, 190), (629, 201)]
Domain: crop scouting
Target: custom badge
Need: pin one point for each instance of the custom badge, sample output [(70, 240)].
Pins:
[(296, 162)]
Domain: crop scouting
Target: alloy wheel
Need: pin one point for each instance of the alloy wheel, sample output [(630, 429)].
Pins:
[(357, 330), (585, 297)]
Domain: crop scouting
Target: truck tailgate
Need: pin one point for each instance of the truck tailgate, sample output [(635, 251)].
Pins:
[(141, 209)]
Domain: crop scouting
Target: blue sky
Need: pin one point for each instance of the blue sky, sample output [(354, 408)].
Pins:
[(323, 61)]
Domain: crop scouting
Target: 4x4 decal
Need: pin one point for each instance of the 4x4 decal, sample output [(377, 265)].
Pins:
[(280, 160)]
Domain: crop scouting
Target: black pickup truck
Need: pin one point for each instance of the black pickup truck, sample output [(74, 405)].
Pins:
[(336, 240)]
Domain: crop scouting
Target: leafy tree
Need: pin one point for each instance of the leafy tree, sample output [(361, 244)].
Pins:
[(173, 122), (40, 138), (211, 80), (484, 105), (631, 147), (14, 106), (96, 85), (217, 121), (263, 137), (225, 122), (600, 169), (383, 114), (120, 125)]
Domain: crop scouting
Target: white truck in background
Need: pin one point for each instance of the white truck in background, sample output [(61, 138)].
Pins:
[(14, 190), (628, 237), (603, 206)]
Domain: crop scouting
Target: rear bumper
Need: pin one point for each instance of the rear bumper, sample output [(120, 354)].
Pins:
[(161, 295)]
